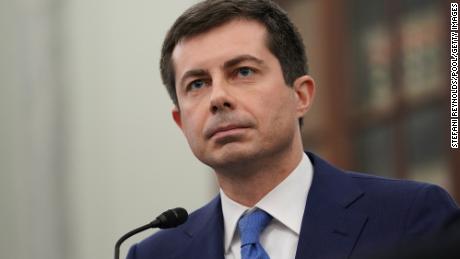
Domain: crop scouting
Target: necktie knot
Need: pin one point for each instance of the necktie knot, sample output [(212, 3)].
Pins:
[(251, 225)]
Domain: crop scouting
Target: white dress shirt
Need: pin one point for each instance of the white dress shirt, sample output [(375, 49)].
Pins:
[(286, 203)]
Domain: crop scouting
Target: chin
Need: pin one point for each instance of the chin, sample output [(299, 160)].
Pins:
[(230, 158)]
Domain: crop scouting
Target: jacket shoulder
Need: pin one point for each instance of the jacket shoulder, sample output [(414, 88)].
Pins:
[(421, 207), (389, 188)]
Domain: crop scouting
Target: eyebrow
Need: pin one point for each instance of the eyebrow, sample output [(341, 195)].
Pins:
[(239, 59), (193, 73)]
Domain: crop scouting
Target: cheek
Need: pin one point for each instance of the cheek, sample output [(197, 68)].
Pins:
[(192, 127), (189, 127), (278, 108)]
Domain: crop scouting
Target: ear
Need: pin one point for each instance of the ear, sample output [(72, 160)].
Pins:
[(304, 88), (176, 116)]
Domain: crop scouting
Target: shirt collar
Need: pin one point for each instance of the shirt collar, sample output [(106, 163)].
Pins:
[(286, 202)]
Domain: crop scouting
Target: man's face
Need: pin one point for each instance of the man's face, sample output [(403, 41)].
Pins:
[(234, 105)]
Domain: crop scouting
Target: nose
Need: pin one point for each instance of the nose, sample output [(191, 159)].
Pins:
[(221, 98)]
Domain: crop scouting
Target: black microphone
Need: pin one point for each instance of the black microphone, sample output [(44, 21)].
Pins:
[(168, 219)]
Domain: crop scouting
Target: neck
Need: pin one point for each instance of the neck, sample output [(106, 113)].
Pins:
[(249, 183)]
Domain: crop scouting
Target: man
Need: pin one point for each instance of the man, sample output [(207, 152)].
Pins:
[(236, 72)]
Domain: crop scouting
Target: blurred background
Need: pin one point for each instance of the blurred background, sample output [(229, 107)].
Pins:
[(383, 102), (88, 149)]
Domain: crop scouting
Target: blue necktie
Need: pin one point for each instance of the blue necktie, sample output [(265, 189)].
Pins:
[(250, 227)]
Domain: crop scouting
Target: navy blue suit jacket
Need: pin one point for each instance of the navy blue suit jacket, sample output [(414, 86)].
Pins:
[(346, 216)]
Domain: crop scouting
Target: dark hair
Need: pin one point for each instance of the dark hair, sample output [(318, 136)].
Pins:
[(283, 40)]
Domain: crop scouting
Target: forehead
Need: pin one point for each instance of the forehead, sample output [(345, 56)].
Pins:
[(237, 37)]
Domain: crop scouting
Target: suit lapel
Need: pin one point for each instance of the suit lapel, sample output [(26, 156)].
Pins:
[(330, 227), (206, 233)]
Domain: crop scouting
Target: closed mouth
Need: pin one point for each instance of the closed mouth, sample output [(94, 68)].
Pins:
[(223, 129)]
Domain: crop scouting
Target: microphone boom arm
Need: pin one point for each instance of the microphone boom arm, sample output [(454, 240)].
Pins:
[(168, 219), (127, 235)]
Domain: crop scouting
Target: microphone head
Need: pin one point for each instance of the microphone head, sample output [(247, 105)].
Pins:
[(172, 218)]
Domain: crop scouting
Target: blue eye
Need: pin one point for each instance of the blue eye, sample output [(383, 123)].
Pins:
[(245, 71), (197, 84)]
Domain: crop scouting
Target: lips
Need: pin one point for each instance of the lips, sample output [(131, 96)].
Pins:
[(210, 132)]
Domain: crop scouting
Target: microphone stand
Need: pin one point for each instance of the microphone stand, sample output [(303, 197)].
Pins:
[(168, 219), (127, 235)]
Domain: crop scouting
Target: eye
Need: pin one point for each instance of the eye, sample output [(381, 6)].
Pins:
[(245, 71), (196, 84)]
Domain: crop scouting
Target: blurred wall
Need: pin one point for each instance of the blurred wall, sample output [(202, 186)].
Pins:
[(88, 149)]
